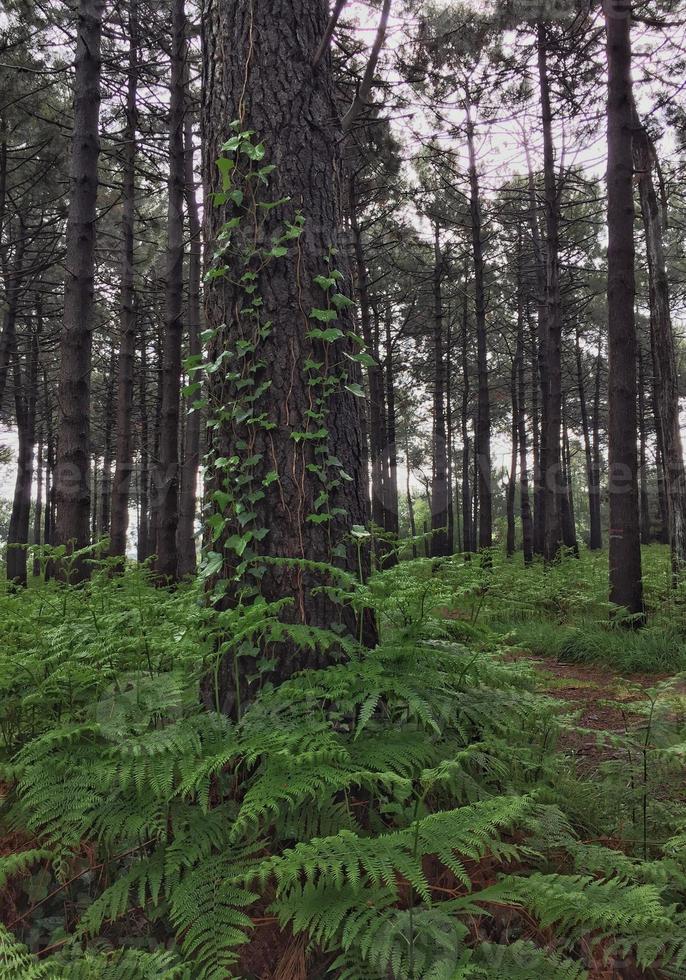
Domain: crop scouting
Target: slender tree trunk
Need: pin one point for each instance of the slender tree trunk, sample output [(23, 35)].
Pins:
[(144, 546), (73, 443), (644, 504), (374, 372), (626, 588), (567, 517), (391, 524), (596, 542), (408, 495), (167, 473), (127, 349), (538, 355), (259, 71), (38, 509), (483, 431), (25, 400), (662, 336), (512, 481), (469, 543), (440, 500), (593, 498), (189, 472), (552, 376), (525, 503), (105, 503)]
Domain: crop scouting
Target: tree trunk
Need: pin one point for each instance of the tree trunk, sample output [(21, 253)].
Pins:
[(127, 316), (593, 497), (596, 542), (259, 71), (167, 472), (644, 503), (105, 504), (13, 281), (662, 336), (567, 517), (188, 504), (552, 375), (525, 503), (144, 548), (512, 481), (469, 543), (625, 545), (374, 372), (38, 509), (440, 500), (73, 443), (538, 346), (25, 399), (483, 431), (391, 485)]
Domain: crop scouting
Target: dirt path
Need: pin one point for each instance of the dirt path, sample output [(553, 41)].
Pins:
[(587, 689)]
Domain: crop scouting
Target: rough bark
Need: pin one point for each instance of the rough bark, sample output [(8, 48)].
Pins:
[(662, 337), (440, 500), (512, 479), (644, 503), (188, 502), (391, 497), (73, 444), (25, 389), (127, 315), (469, 543), (596, 542), (167, 475), (591, 478), (625, 546), (259, 70), (524, 500), (552, 375), (483, 429)]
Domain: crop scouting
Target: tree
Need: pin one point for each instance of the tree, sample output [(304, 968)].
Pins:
[(73, 447), (259, 72), (626, 588)]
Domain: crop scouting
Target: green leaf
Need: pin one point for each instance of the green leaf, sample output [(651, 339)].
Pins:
[(325, 316)]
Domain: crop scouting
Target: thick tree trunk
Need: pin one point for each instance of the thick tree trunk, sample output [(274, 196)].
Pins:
[(662, 336), (259, 70), (626, 588), (167, 472), (73, 443), (440, 500), (483, 431), (13, 281), (188, 501), (127, 316), (552, 376)]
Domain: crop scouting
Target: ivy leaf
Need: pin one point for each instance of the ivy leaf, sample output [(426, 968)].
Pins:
[(355, 389), (325, 316), (213, 563)]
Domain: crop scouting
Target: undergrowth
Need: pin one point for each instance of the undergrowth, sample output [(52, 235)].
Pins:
[(406, 812)]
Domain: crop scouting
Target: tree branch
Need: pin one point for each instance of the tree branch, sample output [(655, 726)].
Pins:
[(365, 88), (330, 28)]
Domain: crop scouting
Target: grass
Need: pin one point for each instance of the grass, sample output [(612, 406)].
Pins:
[(563, 612)]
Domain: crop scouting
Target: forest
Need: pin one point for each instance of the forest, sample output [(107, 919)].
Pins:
[(342, 489)]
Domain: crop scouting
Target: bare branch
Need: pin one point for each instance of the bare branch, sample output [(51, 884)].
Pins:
[(330, 28), (365, 88)]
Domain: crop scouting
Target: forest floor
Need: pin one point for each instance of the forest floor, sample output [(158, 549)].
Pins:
[(602, 700)]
